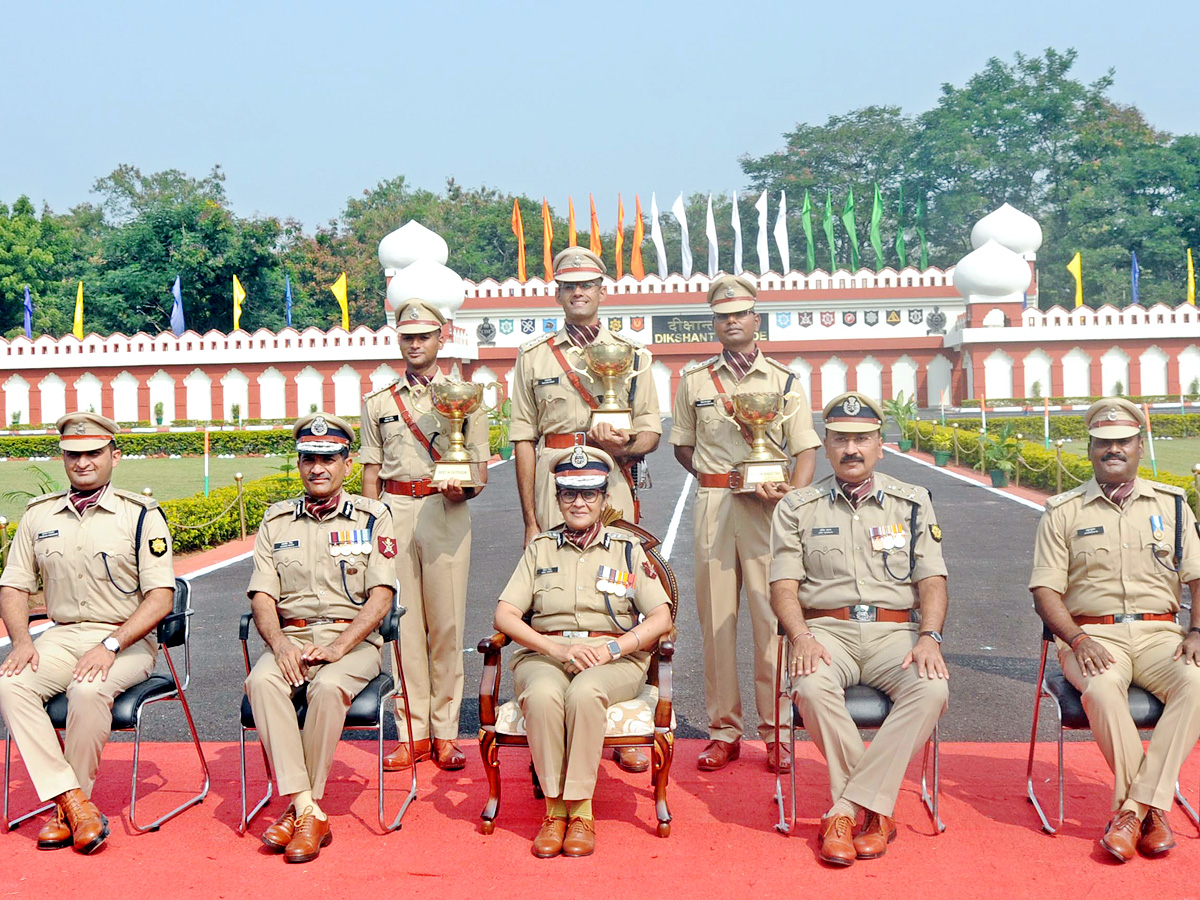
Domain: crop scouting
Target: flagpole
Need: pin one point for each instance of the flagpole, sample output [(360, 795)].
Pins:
[(983, 412), (205, 460), (1046, 421), (1150, 436)]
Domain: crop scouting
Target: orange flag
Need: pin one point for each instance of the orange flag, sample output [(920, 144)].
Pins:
[(620, 233), (518, 228), (571, 223), (547, 240), (639, 235), (594, 241)]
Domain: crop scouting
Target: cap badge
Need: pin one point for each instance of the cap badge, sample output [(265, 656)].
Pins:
[(851, 406), (80, 428), (579, 458), (1112, 415), (729, 292), (319, 426), (413, 313), (578, 262)]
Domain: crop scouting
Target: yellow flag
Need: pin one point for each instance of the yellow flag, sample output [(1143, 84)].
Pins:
[(239, 294), (78, 329), (339, 291), (570, 222), (1191, 290), (1075, 267)]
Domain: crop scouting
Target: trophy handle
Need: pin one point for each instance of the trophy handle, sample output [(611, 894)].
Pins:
[(570, 358), (499, 396), (783, 400), (422, 400), (721, 406), (645, 354)]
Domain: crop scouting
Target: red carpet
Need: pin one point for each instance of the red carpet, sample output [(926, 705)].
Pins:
[(722, 842)]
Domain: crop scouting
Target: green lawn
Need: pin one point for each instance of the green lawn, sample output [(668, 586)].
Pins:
[(168, 478), (1177, 456)]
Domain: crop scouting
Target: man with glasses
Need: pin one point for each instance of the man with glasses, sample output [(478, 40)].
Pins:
[(552, 404), (732, 531)]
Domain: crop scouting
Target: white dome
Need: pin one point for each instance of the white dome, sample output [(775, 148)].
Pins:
[(992, 271), (429, 281), (1008, 227), (408, 243)]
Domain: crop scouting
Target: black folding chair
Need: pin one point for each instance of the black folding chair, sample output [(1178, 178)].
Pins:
[(173, 631), (366, 713), (1144, 707)]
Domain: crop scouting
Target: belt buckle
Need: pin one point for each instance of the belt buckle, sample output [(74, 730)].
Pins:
[(735, 480), (861, 612), (321, 620), (580, 438), (1126, 618), (574, 634)]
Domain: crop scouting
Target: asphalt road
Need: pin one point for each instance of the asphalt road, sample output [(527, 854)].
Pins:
[(992, 634)]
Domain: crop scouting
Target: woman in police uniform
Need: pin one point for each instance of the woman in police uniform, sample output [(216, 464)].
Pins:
[(582, 586)]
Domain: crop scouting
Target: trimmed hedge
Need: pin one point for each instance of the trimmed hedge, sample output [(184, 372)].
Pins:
[(164, 443), (1071, 427), (1037, 402)]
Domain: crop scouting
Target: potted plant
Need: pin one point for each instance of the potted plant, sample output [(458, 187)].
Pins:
[(943, 447), (502, 444), (1000, 452), (158, 413), (903, 410)]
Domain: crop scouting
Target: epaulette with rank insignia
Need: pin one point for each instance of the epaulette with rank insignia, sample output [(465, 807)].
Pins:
[(777, 364), (697, 366), (910, 492), (1060, 499), (140, 499), (42, 499), (383, 390), (801, 496), (366, 504), (282, 507), (540, 339), (1168, 488)]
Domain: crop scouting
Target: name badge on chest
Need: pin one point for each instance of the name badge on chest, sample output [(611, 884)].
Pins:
[(349, 543)]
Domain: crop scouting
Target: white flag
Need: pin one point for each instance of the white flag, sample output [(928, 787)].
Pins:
[(781, 235), (684, 242), (737, 238), (656, 236), (764, 258), (710, 230)]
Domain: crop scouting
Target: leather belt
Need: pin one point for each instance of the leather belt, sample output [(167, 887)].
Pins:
[(423, 488), (862, 612), (583, 634), (1122, 618), (564, 441), (731, 480), (304, 623)]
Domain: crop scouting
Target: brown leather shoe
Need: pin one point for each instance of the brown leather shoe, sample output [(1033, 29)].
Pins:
[(279, 833), (89, 827), (399, 760), (447, 755), (549, 840), (718, 754), (54, 834), (1157, 837), (779, 757), (1121, 835), (631, 759), (876, 833), (312, 833), (837, 841), (580, 839)]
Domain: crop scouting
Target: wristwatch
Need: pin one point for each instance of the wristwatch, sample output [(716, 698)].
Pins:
[(936, 635), (111, 644), (614, 649)]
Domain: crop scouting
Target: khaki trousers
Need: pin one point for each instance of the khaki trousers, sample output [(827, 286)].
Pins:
[(732, 545), (301, 761), (54, 769), (565, 717), (545, 504), (868, 653), (1142, 653), (433, 566)]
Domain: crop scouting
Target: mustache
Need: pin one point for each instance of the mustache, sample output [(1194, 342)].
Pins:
[(1107, 456), (852, 458)]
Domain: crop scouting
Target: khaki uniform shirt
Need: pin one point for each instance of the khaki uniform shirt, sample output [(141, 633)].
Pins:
[(293, 562), (718, 441), (92, 567), (545, 402), (820, 540), (388, 442), (1106, 561), (558, 582)]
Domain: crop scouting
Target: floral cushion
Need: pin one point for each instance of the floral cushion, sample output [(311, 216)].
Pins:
[(630, 718)]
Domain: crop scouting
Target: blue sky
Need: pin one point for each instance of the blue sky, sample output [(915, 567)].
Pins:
[(305, 104)]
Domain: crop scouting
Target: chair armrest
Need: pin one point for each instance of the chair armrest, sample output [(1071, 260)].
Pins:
[(494, 644), (662, 711), (389, 628), (169, 621), (489, 681), (244, 627), (666, 649)]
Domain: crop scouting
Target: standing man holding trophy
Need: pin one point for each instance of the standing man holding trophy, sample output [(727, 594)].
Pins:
[(413, 458), (746, 434)]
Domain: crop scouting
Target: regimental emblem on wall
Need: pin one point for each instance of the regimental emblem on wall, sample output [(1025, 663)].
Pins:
[(548, 325), (893, 317), (527, 326), (486, 333), (637, 323), (804, 318), (506, 326), (871, 317), (916, 316), (936, 320), (783, 319), (849, 318), (828, 318), (615, 323)]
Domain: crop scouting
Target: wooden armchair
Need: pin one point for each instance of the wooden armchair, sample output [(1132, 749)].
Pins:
[(647, 720)]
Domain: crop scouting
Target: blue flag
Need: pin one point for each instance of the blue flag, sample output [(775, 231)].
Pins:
[(177, 323), (1135, 274), (28, 315), (287, 283)]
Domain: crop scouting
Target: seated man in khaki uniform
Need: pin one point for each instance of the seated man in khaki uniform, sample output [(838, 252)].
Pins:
[(582, 585), (1110, 558), (857, 563), (104, 557), (323, 580)]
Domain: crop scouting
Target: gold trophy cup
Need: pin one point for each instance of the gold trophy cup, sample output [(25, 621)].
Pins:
[(454, 401), (609, 362), (758, 411)]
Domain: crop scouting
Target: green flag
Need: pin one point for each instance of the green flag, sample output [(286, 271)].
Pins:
[(810, 254), (901, 250), (851, 230), (921, 232), (876, 218), (827, 225)]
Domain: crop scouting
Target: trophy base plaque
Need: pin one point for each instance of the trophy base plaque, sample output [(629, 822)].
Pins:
[(761, 472), (462, 472), (621, 419)]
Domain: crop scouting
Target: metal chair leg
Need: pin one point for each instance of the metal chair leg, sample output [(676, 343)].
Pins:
[(412, 754), (782, 825), (930, 799), (10, 824), (247, 818)]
